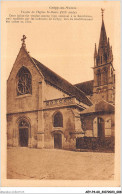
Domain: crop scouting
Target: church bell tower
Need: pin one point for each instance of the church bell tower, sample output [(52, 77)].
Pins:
[(104, 76)]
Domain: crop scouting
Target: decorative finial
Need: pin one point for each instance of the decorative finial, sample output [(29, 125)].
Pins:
[(102, 10), (23, 41)]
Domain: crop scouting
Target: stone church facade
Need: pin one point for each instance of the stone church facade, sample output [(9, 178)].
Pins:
[(46, 111)]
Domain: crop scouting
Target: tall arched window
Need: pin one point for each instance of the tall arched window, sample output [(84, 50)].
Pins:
[(101, 60), (99, 77), (58, 120), (24, 82)]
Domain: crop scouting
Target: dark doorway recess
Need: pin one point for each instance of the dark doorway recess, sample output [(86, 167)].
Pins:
[(101, 132), (23, 137), (57, 141)]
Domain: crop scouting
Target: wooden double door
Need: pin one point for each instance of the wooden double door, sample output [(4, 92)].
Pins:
[(101, 128), (23, 137), (58, 141)]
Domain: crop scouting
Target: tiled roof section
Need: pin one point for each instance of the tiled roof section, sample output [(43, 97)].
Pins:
[(61, 83), (86, 87)]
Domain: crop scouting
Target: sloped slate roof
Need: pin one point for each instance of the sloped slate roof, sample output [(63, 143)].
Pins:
[(86, 87), (101, 106), (61, 83)]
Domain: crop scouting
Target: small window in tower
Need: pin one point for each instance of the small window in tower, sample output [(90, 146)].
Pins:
[(101, 59), (105, 75), (111, 72), (99, 77)]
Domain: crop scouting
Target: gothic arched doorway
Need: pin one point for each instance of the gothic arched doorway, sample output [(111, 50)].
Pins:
[(23, 133), (101, 127)]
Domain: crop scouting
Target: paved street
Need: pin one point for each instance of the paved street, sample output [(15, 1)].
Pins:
[(26, 163)]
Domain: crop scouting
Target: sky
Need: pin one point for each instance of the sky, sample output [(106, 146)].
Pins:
[(66, 47)]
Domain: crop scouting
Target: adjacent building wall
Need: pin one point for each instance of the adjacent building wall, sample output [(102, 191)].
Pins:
[(89, 124), (68, 126)]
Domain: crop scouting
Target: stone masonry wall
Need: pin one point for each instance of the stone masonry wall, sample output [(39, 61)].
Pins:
[(68, 126), (26, 102), (13, 128)]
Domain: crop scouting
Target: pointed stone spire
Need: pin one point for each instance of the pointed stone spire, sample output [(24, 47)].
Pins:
[(111, 54), (95, 51), (102, 10), (103, 36), (108, 44), (95, 55), (108, 48)]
